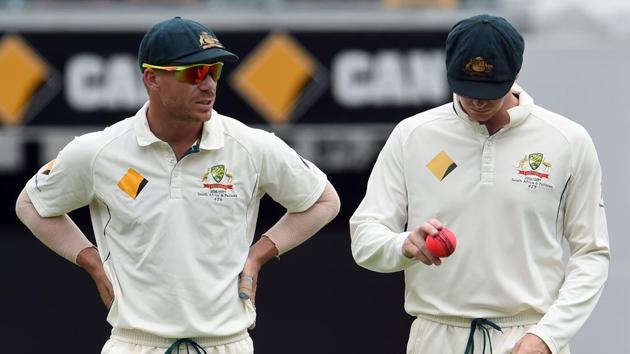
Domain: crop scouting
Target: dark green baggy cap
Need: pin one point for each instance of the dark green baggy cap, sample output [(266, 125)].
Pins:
[(484, 55), (180, 41)]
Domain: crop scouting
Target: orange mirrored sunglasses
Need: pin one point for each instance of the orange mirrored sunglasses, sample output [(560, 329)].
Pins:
[(192, 74)]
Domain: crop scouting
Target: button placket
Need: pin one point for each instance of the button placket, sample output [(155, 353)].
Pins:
[(487, 162), (176, 182), (175, 169)]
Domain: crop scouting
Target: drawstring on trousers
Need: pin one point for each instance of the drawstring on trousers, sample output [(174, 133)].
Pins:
[(175, 346), (480, 322)]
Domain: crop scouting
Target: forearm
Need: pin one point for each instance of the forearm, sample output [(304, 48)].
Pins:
[(90, 260), (59, 233), (261, 252), (294, 228)]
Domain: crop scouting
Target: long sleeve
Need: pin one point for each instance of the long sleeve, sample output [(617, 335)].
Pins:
[(377, 227), (587, 236)]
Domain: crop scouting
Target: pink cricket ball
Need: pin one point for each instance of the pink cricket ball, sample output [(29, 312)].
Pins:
[(442, 244)]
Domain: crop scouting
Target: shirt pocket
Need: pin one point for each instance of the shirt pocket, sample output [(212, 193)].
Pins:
[(125, 212)]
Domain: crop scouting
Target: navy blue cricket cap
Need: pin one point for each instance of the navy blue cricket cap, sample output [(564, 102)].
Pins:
[(484, 55), (179, 41)]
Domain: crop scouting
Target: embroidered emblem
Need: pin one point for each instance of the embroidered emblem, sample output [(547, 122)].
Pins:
[(218, 179), (478, 66), (534, 161), (206, 41), (534, 171), (218, 172)]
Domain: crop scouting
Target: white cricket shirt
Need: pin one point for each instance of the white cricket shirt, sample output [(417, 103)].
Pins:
[(510, 198), (174, 235)]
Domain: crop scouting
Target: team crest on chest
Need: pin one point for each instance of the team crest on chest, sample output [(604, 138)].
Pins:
[(217, 183), (534, 171), (217, 172)]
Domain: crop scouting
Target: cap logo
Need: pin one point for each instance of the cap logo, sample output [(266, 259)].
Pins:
[(206, 41), (478, 66)]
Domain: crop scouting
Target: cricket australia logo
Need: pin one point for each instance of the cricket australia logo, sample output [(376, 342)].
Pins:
[(534, 161), (218, 180), (534, 171), (218, 174)]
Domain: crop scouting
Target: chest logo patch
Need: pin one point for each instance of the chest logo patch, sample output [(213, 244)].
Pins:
[(219, 174), (441, 165), (534, 170), (217, 184), (534, 161), (132, 183)]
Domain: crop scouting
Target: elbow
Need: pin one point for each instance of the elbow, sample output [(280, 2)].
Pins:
[(360, 257), (335, 207), (21, 206), (331, 198), (364, 255), (25, 210), (368, 260)]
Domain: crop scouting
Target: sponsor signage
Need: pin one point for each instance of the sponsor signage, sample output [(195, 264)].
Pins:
[(92, 79)]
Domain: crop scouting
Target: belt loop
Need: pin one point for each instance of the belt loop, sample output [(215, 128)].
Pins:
[(480, 322)]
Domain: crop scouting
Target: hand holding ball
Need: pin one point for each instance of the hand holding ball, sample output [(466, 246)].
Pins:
[(442, 244)]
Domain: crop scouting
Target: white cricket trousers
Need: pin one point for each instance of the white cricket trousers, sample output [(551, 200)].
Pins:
[(449, 335), (123, 341)]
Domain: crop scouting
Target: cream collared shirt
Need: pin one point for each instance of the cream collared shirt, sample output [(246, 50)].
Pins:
[(174, 235), (511, 198)]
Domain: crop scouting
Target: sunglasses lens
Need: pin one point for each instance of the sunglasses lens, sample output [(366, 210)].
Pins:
[(197, 74)]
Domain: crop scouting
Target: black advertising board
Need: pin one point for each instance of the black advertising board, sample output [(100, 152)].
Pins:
[(91, 79)]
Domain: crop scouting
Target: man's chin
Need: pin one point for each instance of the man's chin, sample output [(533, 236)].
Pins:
[(204, 116), (480, 117)]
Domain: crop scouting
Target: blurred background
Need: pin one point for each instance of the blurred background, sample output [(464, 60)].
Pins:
[(330, 77)]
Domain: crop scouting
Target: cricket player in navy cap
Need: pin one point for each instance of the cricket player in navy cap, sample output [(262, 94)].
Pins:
[(174, 193), (513, 181)]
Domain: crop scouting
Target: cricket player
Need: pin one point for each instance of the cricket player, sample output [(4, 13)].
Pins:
[(173, 194), (512, 180)]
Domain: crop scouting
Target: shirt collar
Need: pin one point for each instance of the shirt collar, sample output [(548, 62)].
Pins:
[(211, 135), (518, 114)]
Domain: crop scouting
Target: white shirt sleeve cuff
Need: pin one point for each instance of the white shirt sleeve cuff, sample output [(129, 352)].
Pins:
[(553, 346), (397, 251)]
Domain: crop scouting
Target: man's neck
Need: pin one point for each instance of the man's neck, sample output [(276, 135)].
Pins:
[(180, 135), (502, 118)]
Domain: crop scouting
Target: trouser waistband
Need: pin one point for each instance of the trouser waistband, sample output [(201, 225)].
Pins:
[(521, 319), (142, 338)]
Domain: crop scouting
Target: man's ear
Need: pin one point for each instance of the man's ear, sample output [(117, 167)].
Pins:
[(150, 78)]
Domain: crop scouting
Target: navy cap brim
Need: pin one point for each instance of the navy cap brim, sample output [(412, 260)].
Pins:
[(482, 90), (207, 56)]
